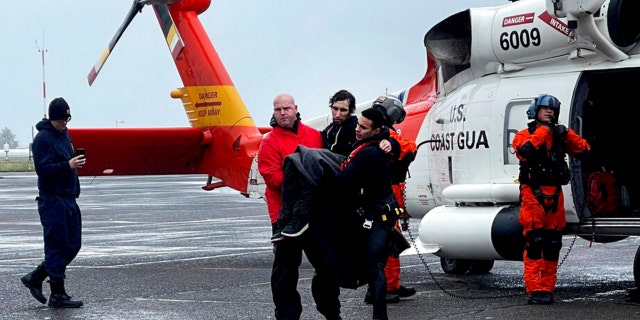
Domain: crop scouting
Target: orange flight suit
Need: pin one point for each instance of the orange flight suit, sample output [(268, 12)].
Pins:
[(543, 225)]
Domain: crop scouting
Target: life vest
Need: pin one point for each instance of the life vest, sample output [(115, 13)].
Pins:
[(353, 153), (547, 167)]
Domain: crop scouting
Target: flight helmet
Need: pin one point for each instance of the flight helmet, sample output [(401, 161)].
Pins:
[(393, 109), (544, 100)]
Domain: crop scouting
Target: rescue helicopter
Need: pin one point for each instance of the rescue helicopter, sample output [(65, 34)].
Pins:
[(491, 65), (485, 67)]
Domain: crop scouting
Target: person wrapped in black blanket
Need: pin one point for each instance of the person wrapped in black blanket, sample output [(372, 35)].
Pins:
[(345, 204)]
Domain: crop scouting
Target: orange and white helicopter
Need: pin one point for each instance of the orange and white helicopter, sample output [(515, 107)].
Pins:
[(484, 68)]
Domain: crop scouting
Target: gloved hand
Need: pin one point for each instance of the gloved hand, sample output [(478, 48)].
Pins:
[(560, 131)]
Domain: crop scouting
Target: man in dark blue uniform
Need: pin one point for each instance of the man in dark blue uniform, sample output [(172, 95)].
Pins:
[(364, 186), (58, 185)]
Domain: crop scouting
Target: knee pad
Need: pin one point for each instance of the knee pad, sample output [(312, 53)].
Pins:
[(553, 245), (534, 250), (535, 240)]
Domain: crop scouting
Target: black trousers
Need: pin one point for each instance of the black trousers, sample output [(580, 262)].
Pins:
[(285, 274), (62, 231), (377, 247)]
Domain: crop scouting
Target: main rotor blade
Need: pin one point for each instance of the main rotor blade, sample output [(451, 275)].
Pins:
[(135, 8), (171, 34)]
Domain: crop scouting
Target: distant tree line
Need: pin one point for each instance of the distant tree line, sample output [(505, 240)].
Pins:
[(7, 137)]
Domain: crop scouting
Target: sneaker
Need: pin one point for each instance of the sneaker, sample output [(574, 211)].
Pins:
[(389, 298), (277, 237), (294, 228), (403, 292)]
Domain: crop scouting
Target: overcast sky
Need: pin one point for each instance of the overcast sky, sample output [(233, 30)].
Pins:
[(310, 49)]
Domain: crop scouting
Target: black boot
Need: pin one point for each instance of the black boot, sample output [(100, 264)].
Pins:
[(296, 226), (33, 281), (403, 291), (299, 221), (276, 230), (289, 195), (389, 298), (59, 297), (540, 297)]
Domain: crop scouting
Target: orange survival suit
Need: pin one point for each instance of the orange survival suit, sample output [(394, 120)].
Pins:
[(541, 149)]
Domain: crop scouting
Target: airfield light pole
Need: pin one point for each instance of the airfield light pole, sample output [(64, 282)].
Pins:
[(44, 87)]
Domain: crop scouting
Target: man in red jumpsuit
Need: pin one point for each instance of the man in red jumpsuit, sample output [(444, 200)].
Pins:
[(541, 149), (287, 133)]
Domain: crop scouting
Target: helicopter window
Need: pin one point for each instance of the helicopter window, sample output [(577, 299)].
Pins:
[(515, 120)]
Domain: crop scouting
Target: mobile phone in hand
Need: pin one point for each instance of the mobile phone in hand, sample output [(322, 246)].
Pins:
[(80, 152)]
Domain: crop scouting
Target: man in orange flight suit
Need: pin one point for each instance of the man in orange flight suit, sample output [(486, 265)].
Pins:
[(541, 149)]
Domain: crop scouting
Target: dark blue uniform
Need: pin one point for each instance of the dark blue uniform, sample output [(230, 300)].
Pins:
[(365, 183), (58, 187)]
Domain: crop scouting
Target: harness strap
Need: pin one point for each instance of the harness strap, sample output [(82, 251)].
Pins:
[(541, 197), (353, 153)]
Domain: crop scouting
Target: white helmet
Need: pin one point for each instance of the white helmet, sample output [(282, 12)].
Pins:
[(393, 109)]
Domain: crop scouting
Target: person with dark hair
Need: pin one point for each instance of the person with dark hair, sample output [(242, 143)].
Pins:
[(58, 185), (337, 252), (364, 186), (340, 135), (394, 111), (541, 149)]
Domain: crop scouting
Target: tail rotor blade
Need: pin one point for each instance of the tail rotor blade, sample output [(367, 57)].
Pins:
[(135, 8)]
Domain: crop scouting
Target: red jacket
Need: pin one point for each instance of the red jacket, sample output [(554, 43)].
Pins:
[(276, 145)]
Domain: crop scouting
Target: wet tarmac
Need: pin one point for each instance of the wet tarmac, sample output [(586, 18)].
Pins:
[(159, 247)]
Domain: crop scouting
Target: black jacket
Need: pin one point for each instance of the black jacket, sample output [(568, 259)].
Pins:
[(365, 181), (340, 137), (52, 150)]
